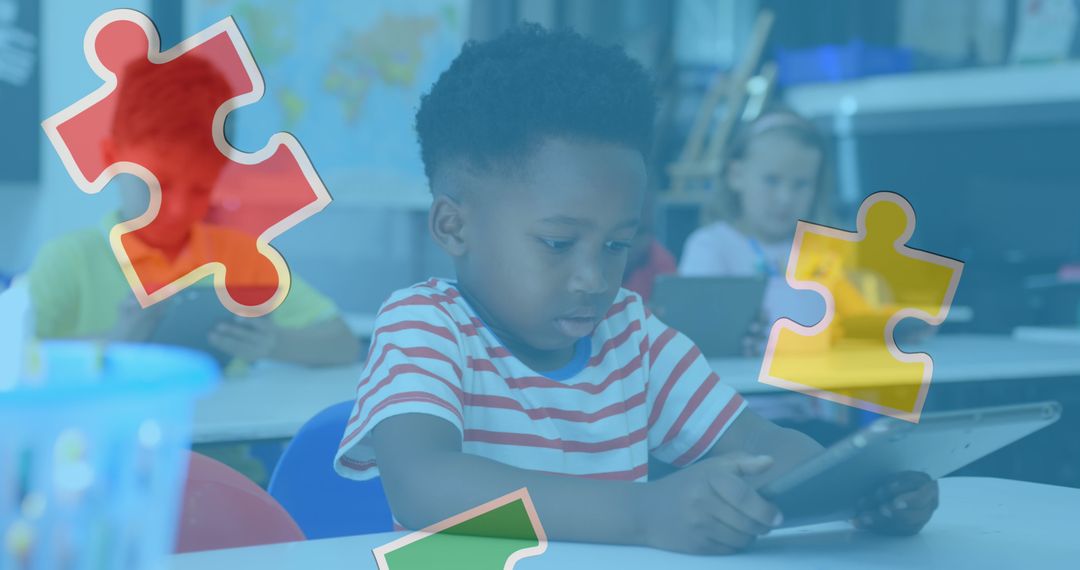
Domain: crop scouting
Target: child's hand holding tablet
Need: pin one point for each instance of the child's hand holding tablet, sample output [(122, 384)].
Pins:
[(883, 476), (899, 507), (247, 339), (709, 507), (135, 323)]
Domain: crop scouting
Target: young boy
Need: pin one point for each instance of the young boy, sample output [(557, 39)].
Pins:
[(77, 285), (533, 368)]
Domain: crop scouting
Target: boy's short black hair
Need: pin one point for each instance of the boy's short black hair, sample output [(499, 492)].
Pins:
[(500, 98)]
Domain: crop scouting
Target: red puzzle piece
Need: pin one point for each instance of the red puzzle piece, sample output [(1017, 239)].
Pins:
[(161, 116)]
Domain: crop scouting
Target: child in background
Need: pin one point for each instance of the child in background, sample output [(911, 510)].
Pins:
[(533, 368), (76, 282), (79, 290), (772, 178)]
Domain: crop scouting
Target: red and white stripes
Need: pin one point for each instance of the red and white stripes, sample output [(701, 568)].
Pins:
[(645, 389)]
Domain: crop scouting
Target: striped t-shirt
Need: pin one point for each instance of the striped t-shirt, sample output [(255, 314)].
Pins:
[(635, 387)]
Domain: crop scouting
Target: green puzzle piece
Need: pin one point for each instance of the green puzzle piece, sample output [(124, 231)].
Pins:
[(484, 542)]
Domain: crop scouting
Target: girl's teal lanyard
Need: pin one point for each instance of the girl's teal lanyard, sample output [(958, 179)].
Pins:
[(764, 265)]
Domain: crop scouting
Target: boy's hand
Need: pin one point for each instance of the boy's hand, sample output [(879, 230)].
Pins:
[(708, 508), (248, 339), (135, 323), (899, 507)]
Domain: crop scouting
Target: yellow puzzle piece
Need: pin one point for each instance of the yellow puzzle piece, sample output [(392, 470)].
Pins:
[(870, 281)]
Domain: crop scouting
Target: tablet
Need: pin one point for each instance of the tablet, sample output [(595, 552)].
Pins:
[(714, 312), (827, 487), (189, 317)]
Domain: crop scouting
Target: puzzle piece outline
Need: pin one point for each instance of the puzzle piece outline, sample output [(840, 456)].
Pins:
[(522, 494), (217, 269), (901, 248)]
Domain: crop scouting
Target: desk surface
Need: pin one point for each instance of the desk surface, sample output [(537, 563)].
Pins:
[(270, 402), (957, 358), (982, 523), (275, 400)]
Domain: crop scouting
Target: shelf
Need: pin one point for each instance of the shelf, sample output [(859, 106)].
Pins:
[(1033, 94)]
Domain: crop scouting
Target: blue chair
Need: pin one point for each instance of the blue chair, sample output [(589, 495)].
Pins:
[(323, 503)]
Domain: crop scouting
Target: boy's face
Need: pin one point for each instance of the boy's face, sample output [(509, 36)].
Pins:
[(776, 184), (543, 249), (189, 175)]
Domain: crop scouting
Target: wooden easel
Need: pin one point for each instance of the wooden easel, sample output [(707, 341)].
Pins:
[(700, 164)]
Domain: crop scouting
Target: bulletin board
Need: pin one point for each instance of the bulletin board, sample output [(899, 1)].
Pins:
[(20, 99)]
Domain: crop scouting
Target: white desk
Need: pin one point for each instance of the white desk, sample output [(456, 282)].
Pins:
[(982, 523), (957, 358), (271, 402), (274, 400)]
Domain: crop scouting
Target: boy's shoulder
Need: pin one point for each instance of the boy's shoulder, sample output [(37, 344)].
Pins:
[(627, 305), (438, 302), (435, 299), (435, 289), (85, 245), (628, 315)]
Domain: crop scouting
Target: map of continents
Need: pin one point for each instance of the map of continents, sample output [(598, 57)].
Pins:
[(345, 77)]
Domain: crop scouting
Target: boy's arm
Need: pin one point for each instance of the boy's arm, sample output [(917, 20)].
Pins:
[(53, 281), (325, 343), (306, 329), (751, 433), (428, 478), (705, 508)]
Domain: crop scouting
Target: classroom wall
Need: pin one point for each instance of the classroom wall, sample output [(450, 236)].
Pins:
[(19, 200), (33, 214), (358, 255)]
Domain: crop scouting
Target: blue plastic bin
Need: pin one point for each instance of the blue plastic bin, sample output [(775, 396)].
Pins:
[(93, 452), (831, 63)]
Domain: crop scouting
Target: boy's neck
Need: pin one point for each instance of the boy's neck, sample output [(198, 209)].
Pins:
[(540, 360), (536, 359)]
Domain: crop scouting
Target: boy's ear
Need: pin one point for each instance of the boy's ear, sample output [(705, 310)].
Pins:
[(446, 222)]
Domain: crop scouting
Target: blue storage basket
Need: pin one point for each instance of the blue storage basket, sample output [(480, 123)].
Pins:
[(831, 63), (93, 452)]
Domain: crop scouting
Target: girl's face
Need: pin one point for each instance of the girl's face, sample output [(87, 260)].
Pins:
[(776, 183)]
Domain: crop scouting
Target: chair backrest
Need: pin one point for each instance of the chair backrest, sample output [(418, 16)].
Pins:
[(224, 509), (322, 502)]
